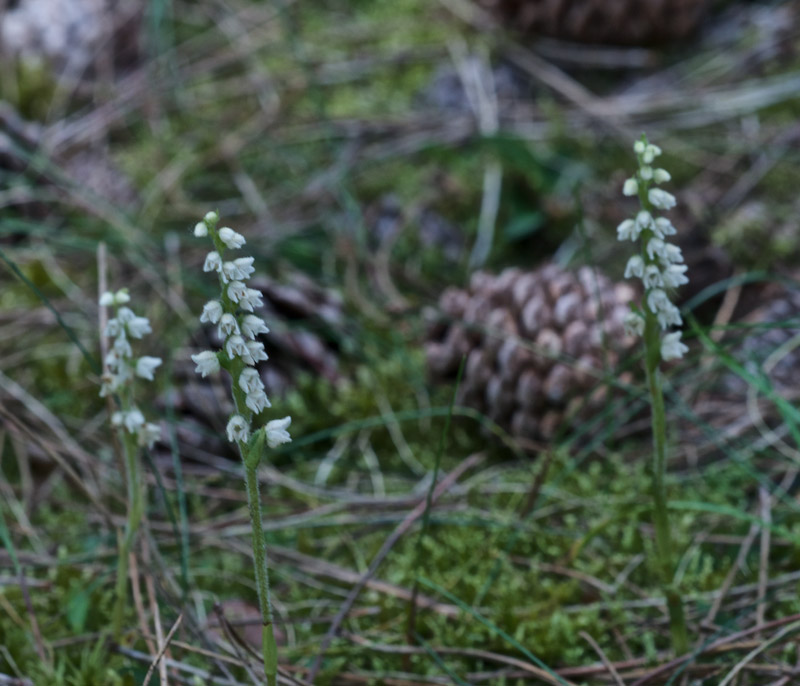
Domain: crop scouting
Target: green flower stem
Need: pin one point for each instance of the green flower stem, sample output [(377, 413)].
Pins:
[(135, 487), (268, 646), (677, 619), (251, 458), (652, 344)]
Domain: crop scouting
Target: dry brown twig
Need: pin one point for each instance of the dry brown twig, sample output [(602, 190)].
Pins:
[(159, 658)]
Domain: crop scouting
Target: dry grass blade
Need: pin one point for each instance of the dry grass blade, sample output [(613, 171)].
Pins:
[(158, 659)]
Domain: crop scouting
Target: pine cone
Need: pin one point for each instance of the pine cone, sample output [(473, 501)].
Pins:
[(534, 344), (630, 22), (203, 408)]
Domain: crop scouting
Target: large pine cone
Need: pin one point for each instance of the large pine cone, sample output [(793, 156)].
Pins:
[(536, 344), (627, 22)]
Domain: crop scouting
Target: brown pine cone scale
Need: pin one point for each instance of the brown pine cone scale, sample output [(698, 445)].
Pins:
[(536, 344)]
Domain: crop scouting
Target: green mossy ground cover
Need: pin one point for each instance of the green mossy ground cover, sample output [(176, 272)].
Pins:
[(340, 138)]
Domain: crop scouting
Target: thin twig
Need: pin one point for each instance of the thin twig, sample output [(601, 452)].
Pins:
[(159, 657), (763, 566), (154, 610), (611, 669), (787, 630)]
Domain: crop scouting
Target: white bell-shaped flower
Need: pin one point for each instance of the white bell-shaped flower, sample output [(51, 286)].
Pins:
[(277, 433), (238, 429)]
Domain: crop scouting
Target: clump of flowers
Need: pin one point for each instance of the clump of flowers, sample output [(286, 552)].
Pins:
[(239, 329), (659, 265), (122, 369)]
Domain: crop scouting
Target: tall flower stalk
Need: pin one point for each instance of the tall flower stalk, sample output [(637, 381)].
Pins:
[(659, 265), (238, 329), (121, 370)]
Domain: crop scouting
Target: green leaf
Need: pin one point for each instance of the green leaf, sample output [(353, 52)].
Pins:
[(78, 609), (523, 225)]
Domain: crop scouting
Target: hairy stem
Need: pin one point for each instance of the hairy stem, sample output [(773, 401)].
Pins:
[(268, 645), (677, 619), (135, 487)]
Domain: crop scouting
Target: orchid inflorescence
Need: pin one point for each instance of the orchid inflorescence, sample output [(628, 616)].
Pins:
[(659, 264), (238, 327), (122, 367), (121, 370)]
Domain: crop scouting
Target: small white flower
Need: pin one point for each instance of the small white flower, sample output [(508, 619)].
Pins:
[(107, 299), (207, 363), (213, 262), (237, 291), (256, 351), (252, 326), (107, 386), (125, 314), (138, 327), (652, 277), (635, 267), (145, 366), (638, 147), (675, 275), (251, 300), (149, 434), (661, 199), (644, 220), (669, 315), (657, 300), (650, 153), (116, 419), (671, 254), (113, 328), (277, 432), (132, 420), (122, 347), (211, 217), (227, 325), (628, 231), (235, 346), (237, 429), (123, 375), (245, 266), (229, 272), (631, 187), (212, 312), (111, 383), (671, 346), (646, 173), (663, 227), (230, 238), (634, 324), (121, 297), (238, 269), (112, 359), (200, 229), (250, 381), (257, 401), (655, 247), (661, 176)]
